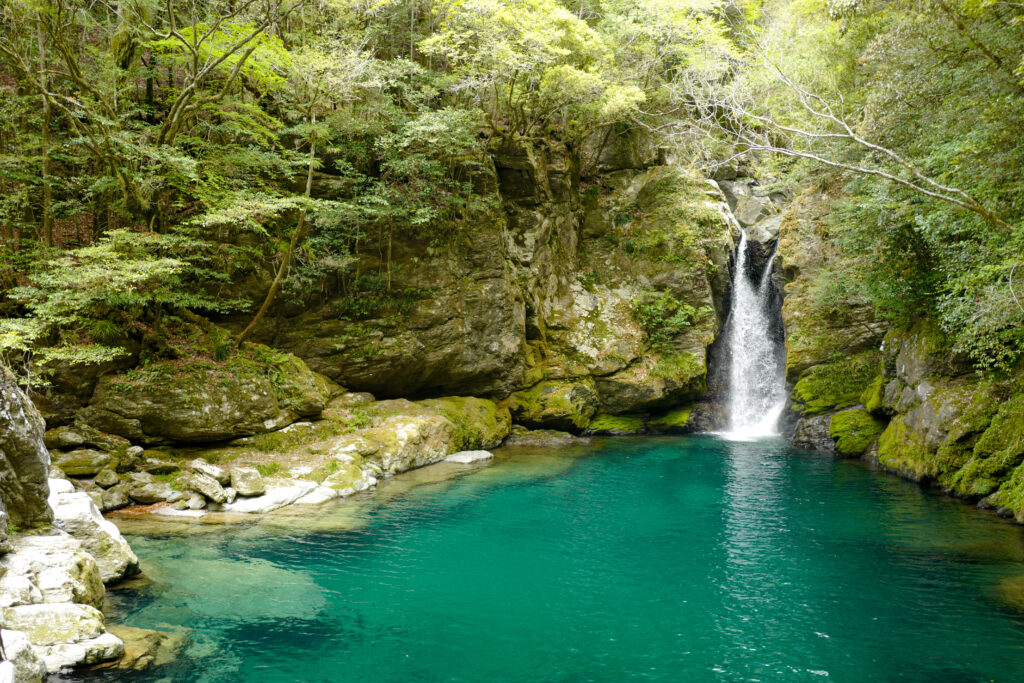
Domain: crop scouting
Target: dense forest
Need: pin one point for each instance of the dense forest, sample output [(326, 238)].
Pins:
[(154, 152)]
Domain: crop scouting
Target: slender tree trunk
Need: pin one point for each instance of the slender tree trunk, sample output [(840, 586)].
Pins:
[(44, 134), (286, 262)]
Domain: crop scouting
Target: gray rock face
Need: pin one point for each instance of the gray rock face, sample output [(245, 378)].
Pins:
[(24, 460), (542, 293), (812, 433)]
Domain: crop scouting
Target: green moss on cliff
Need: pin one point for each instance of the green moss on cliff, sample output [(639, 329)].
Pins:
[(854, 431), (871, 398), (903, 451), (617, 425), (997, 453), (836, 384), (674, 421)]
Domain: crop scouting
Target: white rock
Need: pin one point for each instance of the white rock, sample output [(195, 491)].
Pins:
[(206, 485), (275, 497), (16, 589), (57, 487), (76, 514), (55, 624), (58, 566), (22, 658), (467, 457), (171, 512), (318, 496), (102, 648)]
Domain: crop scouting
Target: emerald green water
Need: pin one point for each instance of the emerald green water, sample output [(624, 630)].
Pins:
[(683, 559)]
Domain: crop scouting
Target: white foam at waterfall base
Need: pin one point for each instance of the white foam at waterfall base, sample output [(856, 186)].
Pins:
[(757, 394)]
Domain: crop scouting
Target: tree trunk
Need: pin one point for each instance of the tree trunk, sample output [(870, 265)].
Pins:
[(44, 134), (297, 237)]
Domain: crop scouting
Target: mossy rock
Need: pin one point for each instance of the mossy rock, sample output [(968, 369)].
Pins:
[(996, 458), (479, 423), (673, 422), (873, 397), (617, 425), (835, 385), (200, 400), (903, 451), (555, 404), (854, 431)]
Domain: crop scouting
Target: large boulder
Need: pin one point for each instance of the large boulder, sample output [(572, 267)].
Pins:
[(76, 514), (257, 390), (24, 460)]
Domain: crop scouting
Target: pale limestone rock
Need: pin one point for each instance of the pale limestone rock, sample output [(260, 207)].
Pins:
[(277, 496), (318, 496), (76, 514), (467, 457), (219, 474), (58, 566), (247, 481), (206, 485), (22, 657)]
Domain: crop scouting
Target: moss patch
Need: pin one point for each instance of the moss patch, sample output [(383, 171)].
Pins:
[(854, 431), (479, 423), (674, 421), (617, 425), (836, 384), (903, 451), (873, 396)]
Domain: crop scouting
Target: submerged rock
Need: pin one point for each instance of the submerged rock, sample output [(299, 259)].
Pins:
[(144, 648), (468, 457)]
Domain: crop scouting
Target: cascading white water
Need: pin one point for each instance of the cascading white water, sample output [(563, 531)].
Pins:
[(757, 393)]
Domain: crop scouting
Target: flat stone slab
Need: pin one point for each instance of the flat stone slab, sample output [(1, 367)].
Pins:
[(275, 497), (468, 457)]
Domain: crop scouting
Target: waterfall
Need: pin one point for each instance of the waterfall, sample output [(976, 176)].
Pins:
[(757, 392)]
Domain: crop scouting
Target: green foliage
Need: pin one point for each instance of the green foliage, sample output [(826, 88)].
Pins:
[(664, 318), (270, 469)]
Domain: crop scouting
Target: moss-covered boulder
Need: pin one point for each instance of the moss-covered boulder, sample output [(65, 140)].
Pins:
[(836, 384), (854, 431), (555, 405), (257, 390)]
